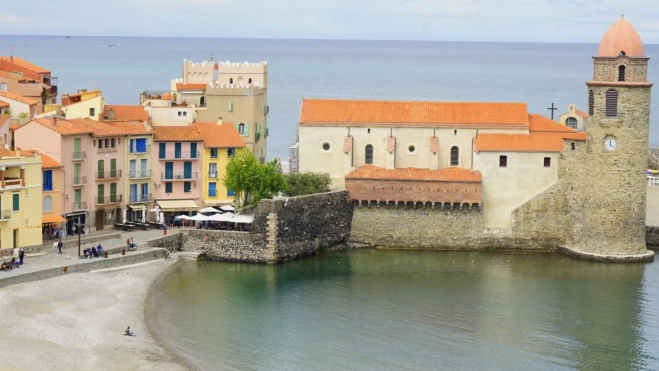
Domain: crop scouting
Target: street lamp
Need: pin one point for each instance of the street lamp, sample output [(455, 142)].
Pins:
[(79, 227)]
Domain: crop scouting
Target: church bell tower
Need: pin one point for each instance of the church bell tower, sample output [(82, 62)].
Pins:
[(610, 222)]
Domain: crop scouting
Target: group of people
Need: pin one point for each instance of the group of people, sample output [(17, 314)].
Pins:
[(8, 265), (94, 252), (57, 246)]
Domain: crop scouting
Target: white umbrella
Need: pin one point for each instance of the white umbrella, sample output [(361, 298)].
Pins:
[(221, 217), (123, 213), (185, 217), (209, 210), (243, 219), (143, 214), (227, 208), (162, 218), (155, 209), (199, 218)]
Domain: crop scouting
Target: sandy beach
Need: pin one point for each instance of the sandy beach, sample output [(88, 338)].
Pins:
[(76, 322)]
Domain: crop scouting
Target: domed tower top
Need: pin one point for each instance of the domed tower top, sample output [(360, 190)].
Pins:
[(621, 39)]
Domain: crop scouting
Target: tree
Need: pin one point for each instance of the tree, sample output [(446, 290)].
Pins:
[(300, 184), (252, 182)]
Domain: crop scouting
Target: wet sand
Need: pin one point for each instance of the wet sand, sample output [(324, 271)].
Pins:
[(76, 322)]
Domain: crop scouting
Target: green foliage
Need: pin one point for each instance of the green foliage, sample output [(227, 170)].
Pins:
[(251, 181), (300, 184), (22, 115)]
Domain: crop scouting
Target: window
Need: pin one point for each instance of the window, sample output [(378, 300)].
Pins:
[(368, 154), (168, 187), (411, 149), (187, 187), (455, 132), (212, 170), (611, 103), (573, 146), (107, 143), (180, 113), (161, 150), (193, 150), (368, 131), (100, 143), (571, 122), (503, 161), (212, 189), (133, 193), (249, 81), (326, 147), (112, 143), (213, 152), (177, 150), (231, 81), (145, 191), (230, 193), (241, 129), (229, 106), (185, 113), (47, 180), (547, 161), (47, 204), (92, 112), (144, 167), (621, 73), (16, 201), (591, 102), (231, 152), (455, 156), (3, 86)]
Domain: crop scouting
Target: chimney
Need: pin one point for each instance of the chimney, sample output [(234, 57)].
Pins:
[(219, 121), (18, 151)]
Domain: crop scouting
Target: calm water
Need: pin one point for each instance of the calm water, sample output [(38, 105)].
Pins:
[(539, 74), (413, 310)]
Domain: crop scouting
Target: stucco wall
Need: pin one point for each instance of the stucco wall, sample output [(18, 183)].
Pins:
[(170, 116), (177, 185), (82, 109)]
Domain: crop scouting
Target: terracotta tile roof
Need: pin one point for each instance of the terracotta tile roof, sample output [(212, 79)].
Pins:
[(539, 123), (3, 104), (329, 111), (582, 114), (534, 142), (25, 64), (4, 152), (63, 127), (99, 129), (3, 119), (176, 134), (181, 87), (220, 136), (125, 113), (450, 174), (13, 127), (131, 127), (48, 163), (19, 98)]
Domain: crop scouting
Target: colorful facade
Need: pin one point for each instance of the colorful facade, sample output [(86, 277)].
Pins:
[(221, 143)]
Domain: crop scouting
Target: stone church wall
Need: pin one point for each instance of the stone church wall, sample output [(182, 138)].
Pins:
[(541, 221)]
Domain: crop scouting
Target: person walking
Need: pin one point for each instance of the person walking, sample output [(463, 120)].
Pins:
[(60, 244), (55, 244), (21, 256)]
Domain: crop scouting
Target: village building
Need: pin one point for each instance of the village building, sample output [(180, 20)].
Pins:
[(221, 143), (53, 196), (20, 201), (24, 78), (20, 108), (574, 118)]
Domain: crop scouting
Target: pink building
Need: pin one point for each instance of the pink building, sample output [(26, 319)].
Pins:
[(177, 167)]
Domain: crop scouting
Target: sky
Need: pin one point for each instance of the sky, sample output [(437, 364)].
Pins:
[(442, 20)]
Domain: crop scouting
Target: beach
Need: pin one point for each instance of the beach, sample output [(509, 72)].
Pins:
[(77, 322)]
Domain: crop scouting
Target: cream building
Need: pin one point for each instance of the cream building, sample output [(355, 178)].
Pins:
[(574, 118), (20, 200)]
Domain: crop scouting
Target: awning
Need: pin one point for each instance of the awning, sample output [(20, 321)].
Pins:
[(52, 219), (69, 215), (218, 202), (178, 205)]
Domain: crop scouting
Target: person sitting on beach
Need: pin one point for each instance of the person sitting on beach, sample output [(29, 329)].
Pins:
[(4, 266), (132, 244), (87, 253), (129, 332)]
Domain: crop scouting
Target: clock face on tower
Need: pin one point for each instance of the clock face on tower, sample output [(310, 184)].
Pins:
[(610, 143)]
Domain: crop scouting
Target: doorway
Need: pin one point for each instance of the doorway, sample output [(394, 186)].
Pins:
[(15, 238), (100, 216)]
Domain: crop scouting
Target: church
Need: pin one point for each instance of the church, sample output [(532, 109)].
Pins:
[(493, 174)]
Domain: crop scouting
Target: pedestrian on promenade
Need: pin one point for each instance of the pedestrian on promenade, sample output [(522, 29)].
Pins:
[(55, 247), (60, 244), (21, 256)]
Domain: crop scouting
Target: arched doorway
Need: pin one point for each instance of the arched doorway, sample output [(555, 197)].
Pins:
[(100, 216)]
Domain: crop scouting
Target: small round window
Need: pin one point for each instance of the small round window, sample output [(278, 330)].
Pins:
[(326, 146), (411, 149)]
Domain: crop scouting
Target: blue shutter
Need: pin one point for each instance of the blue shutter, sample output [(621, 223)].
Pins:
[(141, 145), (161, 150), (193, 150), (132, 145)]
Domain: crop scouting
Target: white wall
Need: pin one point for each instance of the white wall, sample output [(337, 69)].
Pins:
[(169, 116)]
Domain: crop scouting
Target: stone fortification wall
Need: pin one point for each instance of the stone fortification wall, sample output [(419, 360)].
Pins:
[(411, 191), (228, 246), (541, 221)]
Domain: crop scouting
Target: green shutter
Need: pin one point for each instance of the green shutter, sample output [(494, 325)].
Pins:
[(168, 187), (236, 125), (230, 107), (17, 203), (246, 130)]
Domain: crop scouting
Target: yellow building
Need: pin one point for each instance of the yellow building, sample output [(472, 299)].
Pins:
[(20, 201), (221, 142), (52, 191)]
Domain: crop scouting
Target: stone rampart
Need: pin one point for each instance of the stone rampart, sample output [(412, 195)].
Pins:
[(541, 221)]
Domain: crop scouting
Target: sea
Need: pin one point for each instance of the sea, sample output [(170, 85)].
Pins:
[(539, 74), (374, 309)]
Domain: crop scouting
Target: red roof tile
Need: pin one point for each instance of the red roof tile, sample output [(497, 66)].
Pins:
[(582, 114), (534, 142), (63, 127), (19, 98), (125, 113), (131, 127), (25, 64), (539, 123), (3, 104), (46, 161), (450, 174), (372, 113), (176, 134), (181, 87), (220, 136), (3, 119)]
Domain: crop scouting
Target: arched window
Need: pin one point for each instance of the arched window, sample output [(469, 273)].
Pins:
[(571, 122), (249, 81), (47, 204), (202, 102), (231, 80), (455, 156), (240, 80), (241, 129), (591, 103), (368, 154), (621, 73), (611, 103)]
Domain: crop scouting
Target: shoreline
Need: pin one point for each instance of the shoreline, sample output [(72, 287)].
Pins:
[(77, 321)]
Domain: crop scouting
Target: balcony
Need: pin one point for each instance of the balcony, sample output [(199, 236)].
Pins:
[(79, 181), (77, 206), (110, 174), (8, 182), (179, 176), (140, 198), (212, 175), (79, 156), (137, 151), (106, 200), (180, 155), (5, 215), (139, 174)]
